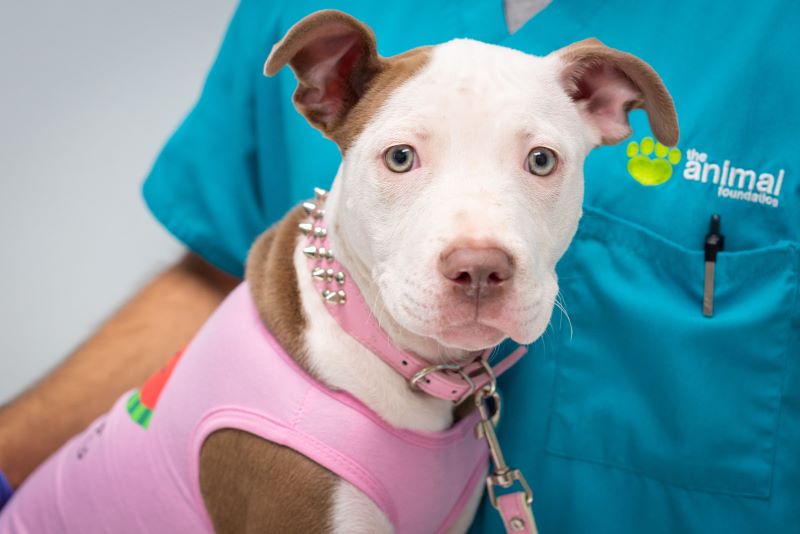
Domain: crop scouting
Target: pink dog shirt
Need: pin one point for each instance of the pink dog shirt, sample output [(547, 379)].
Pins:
[(136, 468)]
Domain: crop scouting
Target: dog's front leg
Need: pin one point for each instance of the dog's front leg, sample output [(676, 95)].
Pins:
[(468, 514), (355, 513), (250, 485)]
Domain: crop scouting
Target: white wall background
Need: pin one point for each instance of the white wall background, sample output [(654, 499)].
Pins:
[(89, 92)]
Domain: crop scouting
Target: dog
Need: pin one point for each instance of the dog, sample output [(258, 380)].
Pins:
[(460, 187)]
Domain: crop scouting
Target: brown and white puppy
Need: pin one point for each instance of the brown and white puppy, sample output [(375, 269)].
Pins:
[(460, 188)]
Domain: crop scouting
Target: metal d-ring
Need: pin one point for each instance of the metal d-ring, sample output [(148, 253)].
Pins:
[(492, 377), (422, 373)]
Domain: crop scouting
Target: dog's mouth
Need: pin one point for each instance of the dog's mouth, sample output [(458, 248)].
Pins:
[(467, 326), (476, 325), (471, 336)]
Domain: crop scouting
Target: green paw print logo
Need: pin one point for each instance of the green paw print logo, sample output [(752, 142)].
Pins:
[(649, 170)]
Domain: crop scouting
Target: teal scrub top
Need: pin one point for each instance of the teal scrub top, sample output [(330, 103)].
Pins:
[(637, 413)]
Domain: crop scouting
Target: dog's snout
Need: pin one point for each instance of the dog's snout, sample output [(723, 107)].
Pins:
[(479, 272)]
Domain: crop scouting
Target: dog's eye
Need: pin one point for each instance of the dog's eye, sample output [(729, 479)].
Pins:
[(541, 161), (399, 158)]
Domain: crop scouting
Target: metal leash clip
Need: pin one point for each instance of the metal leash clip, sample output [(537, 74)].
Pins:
[(502, 475)]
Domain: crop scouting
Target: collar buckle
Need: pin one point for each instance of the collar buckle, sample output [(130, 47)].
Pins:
[(423, 373), (469, 377)]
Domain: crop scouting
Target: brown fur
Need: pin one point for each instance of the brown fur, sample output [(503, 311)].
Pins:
[(254, 486), (369, 78), (273, 284), (657, 102), (328, 24), (248, 484), (394, 71)]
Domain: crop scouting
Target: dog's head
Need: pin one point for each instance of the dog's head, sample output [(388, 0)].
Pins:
[(462, 175)]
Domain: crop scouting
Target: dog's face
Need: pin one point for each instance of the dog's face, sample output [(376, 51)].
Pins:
[(464, 223), (462, 178)]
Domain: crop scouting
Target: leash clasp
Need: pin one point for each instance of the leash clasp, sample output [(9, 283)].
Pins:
[(502, 475), (505, 481)]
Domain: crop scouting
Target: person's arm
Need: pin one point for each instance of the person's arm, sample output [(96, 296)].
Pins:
[(136, 341), (205, 189)]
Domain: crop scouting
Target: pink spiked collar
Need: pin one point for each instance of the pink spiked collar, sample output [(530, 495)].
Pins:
[(444, 381)]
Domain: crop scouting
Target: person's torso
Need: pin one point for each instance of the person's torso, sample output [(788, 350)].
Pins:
[(641, 414)]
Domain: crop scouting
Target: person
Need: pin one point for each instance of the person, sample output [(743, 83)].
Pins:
[(642, 410)]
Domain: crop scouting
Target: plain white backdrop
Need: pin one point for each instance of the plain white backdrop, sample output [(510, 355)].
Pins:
[(89, 92)]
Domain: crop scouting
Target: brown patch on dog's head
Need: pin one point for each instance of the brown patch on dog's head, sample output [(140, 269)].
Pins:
[(397, 69), (609, 83), (342, 81), (273, 284)]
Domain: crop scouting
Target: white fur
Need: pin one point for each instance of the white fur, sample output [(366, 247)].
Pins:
[(355, 513), (472, 114)]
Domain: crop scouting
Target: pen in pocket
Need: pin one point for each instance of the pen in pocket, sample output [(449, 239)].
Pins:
[(715, 242)]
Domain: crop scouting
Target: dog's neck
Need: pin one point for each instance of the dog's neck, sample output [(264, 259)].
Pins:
[(343, 363), (365, 279), (290, 305)]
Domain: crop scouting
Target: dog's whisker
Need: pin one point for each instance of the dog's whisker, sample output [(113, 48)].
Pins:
[(561, 305), (544, 337)]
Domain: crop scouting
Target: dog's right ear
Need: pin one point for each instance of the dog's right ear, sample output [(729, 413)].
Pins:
[(334, 57)]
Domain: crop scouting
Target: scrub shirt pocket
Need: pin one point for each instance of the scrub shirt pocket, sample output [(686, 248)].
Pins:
[(647, 383)]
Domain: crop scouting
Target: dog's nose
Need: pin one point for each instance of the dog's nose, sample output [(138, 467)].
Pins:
[(479, 272)]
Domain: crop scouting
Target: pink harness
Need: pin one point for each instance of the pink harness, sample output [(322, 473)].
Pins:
[(137, 471)]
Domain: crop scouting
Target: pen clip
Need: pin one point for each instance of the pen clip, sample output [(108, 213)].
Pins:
[(714, 243)]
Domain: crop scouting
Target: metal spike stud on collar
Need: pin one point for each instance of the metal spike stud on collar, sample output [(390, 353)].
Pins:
[(326, 275), (315, 230), (318, 252), (318, 232), (334, 297)]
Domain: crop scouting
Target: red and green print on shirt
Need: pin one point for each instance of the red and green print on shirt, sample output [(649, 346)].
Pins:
[(143, 400)]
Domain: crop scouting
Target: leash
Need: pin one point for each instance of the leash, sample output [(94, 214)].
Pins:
[(515, 506), (446, 381)]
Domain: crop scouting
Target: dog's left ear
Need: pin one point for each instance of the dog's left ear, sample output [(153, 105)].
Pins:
[(334, 57), (606, 84)]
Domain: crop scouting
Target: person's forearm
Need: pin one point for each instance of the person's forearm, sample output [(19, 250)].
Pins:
[(136, 341)]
